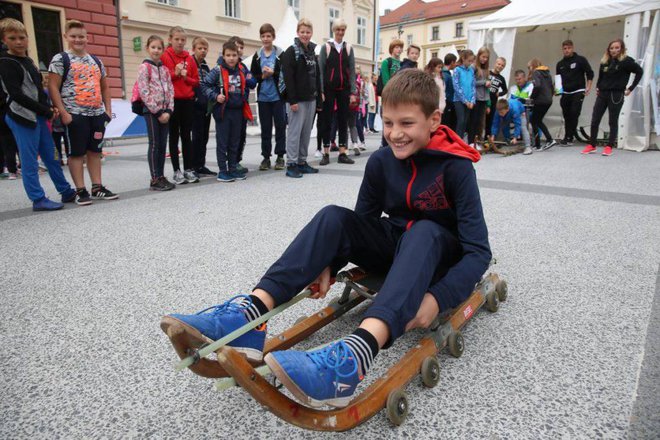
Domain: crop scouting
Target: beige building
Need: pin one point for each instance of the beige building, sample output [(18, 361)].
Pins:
[(218, 20), (438, 27)]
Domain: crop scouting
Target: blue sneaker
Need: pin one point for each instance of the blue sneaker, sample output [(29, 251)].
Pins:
[(45, 204), (224, 176), (237, 175), (327, 376), (293, 171), (304, 168), (217, 322), (69, 196)]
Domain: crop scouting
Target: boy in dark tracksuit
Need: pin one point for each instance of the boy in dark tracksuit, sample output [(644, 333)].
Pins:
[(27, 113), (225, 86), (573, 69), (433, 246)]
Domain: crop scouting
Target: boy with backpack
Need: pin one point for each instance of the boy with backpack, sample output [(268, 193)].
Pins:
[(266, 68), (225, 87), (27, 115), (80, 91), (388, 68)]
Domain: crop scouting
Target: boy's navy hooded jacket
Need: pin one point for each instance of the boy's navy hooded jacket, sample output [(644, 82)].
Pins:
[(230, 78), (438, 183)]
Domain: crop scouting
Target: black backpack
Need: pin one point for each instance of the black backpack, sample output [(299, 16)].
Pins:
[(379, 82), (66, 65)]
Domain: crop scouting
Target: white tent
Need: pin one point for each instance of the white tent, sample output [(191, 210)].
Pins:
[(526, 29)]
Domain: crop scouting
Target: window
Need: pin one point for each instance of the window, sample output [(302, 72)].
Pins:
[(11, 10), (233, 8), (435, 33), (434, 54), (409, 39), (459, 30), (47, 35), (332, 14), (362, 31), (295, 4), (169, 2)]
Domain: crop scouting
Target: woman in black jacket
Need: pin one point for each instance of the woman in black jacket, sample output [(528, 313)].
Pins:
[(542, 93), (612, 86)]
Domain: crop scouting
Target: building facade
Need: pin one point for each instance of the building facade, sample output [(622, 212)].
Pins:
[(218, 20), (438, 27), (45, 19)]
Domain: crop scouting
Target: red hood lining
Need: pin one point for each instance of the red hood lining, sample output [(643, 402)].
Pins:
[(446, 141)]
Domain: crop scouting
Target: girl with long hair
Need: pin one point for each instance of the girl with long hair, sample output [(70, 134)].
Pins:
[(464, 90), (611, 88), (482, 94), (434, 68), (542, 94)]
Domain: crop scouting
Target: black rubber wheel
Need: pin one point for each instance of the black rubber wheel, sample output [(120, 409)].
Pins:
[(492, 302), (397, 407), (456, 344), (430, 372), (502, 290)]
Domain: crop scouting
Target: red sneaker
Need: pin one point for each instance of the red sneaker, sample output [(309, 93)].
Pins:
[(588, 149), (607, 151)]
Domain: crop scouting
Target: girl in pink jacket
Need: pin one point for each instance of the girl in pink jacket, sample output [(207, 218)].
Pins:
[(157, 95)]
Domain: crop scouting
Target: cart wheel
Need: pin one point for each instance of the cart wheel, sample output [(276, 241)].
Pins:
[(492, 302), (300, 319), (430, 372), (397, 406), (456, 344), (502, 290)]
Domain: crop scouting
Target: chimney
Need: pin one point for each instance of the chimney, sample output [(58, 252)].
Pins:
[(387, 11)]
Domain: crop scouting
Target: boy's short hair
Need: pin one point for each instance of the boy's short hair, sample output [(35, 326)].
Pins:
[(414, 46), (395, 43), (450, 58), (229, 45), (11, 25), (73, 24), (501, 58), (200, 40), (412, 86), (502, 104), (267, 28), (304, 22), (519, 72), (236, 40), (567, 43)]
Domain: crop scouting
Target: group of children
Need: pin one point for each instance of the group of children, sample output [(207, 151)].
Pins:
[(78, 95)]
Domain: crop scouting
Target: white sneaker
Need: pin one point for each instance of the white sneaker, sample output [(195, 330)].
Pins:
[(318, 154), (178, 178), (362, 147), (527, 151)]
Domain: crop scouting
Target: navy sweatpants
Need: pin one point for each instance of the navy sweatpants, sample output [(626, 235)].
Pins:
[(228, 138), (413, 260)]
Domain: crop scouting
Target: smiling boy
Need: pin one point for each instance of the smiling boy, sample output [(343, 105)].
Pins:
[(433, 246)]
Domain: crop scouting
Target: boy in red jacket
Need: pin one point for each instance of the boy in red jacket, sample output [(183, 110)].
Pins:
[(185, 77), (433, 245)]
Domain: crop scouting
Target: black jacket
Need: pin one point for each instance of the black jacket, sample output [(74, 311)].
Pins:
[(338, 69), (543, 88), (573, 71), (614, 76), (408, 64), (497, 87), (13, 75), (302, 75), (255, 68)]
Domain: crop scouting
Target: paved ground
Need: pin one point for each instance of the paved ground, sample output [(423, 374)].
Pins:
[(574, 353)]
